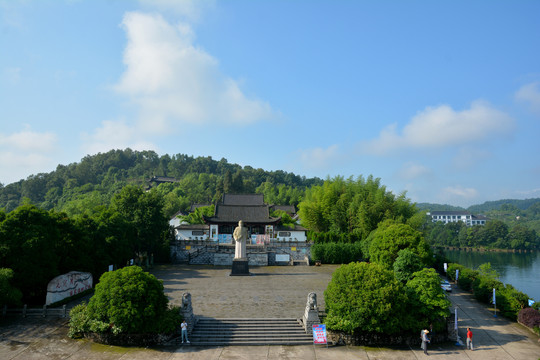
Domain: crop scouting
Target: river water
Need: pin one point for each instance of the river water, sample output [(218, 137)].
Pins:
[(521, 270)]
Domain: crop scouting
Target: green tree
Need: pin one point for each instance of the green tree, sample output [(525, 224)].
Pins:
[(494, 234), (521, 237), (356, 206), (427, 300), (129, 298), (485, 281), (387, 243), (197, 216), (365, 297), (406, 264), (286, 219), (144, 212), (9, 294), (28, 245)]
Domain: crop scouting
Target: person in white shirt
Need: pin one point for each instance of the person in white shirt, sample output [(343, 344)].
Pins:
[(183, 326)]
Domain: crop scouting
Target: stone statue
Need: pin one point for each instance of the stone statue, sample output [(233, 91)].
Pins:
[(186, 310), (311, 313), (311, 301), (240, 235), (186, 301)]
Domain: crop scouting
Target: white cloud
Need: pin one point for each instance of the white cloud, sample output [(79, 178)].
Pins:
[(442, 126), (319, 158), (25, 150), (530, 94), (173, 82), (115, 135), (28, 141), (411, 171)]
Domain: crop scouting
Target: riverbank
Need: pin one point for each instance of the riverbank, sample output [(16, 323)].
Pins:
[(481, 249), (517, 269)]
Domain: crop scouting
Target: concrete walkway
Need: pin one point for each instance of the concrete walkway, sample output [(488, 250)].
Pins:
[(216, 294)]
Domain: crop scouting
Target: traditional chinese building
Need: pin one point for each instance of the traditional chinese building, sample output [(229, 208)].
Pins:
[(252, 210)]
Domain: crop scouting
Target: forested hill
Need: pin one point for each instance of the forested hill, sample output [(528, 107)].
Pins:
[(488, 206), (81, 187)]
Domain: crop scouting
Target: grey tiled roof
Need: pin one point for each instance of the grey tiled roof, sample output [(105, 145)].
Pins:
[(161, 179), (246, 213), (243, 199)]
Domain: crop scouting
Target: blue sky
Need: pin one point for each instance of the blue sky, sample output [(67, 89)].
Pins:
[(438, 99)]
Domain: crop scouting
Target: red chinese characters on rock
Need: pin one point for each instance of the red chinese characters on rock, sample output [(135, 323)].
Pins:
[(67, 285)]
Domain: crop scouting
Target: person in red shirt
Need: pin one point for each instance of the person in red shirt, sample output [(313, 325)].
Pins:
[(469, 339)]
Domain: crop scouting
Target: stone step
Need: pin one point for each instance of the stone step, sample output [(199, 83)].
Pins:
[(240, 326), (246, 320), (250, 333), (250, 343), (258, 331)]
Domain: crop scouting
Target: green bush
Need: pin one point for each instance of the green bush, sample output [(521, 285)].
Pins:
[(483, 287), (336, 253), (510, 301), (9, 295), (427, 301), (365, 297), (387, 241), (406, 264), (127, 300), (332, 237), (466, 276), (79, 322)]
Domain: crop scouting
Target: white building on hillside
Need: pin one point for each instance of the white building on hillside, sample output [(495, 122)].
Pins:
[(454, 216)]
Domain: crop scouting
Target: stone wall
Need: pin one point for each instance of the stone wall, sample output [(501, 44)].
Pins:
[(226, 259), (209, 253), (373, 339)]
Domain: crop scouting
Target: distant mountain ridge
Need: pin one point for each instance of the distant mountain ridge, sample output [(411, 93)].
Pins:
[(481, 208)]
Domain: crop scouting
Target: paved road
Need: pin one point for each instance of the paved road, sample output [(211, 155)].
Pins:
[(495, 338)]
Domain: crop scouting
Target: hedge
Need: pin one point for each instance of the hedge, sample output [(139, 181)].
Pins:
[(509, 300), (336, 253), (330, 237)]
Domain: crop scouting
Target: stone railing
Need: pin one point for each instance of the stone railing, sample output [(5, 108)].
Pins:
[(43, 312)]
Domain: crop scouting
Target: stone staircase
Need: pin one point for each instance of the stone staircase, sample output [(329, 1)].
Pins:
[(220, 332)]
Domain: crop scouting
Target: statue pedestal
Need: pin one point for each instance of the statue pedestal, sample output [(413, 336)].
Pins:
[(240, 267)]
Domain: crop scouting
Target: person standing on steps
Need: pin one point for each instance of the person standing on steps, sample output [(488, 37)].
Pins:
[(183, 326), (469, 339)]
